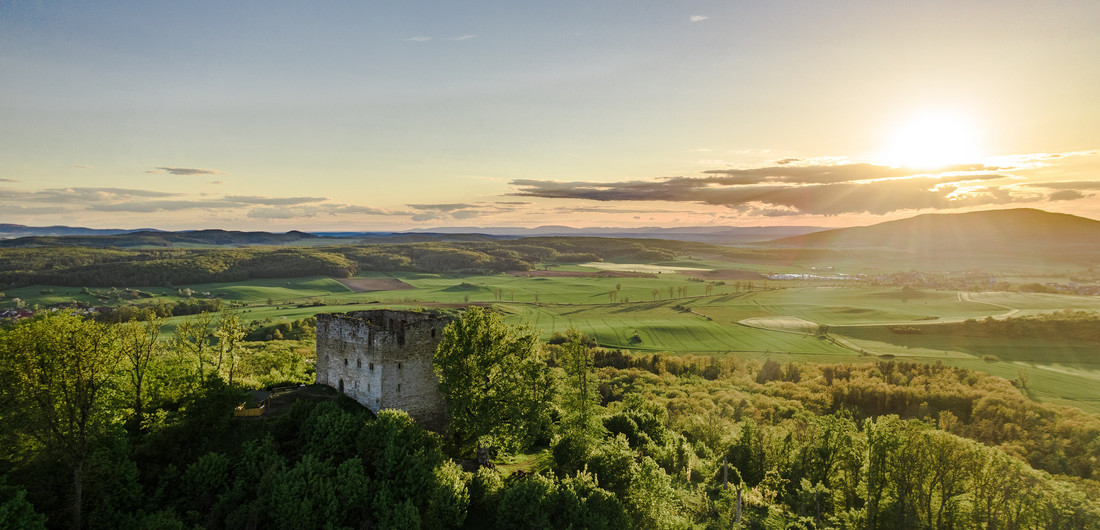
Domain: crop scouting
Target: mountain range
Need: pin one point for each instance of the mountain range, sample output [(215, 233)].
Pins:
[(1008, 231)]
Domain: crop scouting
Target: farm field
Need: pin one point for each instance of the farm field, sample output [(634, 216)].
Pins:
[(676, 313)]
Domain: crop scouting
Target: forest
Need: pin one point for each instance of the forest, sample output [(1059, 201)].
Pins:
[(78, 266), (104, 425)]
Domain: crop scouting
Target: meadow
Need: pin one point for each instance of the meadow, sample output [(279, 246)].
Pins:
[(653, 308)]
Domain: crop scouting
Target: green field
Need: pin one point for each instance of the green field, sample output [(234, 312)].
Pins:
[(640, 314)]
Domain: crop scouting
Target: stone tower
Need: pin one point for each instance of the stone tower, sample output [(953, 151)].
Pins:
[(383, 359)]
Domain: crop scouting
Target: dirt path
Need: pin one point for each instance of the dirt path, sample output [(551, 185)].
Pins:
[(366, 285), (969, 297)]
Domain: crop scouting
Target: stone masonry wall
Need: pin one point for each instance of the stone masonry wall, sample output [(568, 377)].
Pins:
[(383, 359)]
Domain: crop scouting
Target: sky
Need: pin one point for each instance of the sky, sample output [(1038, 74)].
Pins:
[(384, 115)]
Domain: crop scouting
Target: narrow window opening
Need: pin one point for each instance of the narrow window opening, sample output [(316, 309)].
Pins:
[(398, 366), (398, 387), (433, 333), (358, 363), (345, 361), (371, 367)]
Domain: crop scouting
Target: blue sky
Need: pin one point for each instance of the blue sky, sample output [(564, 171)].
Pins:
[(385, 115)]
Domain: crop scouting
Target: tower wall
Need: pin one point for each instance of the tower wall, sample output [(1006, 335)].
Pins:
[(383, 359)]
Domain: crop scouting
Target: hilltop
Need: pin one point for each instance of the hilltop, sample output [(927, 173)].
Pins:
[(1010, 231)]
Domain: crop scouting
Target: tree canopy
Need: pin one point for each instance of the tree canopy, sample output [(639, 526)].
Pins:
[(497, 386)]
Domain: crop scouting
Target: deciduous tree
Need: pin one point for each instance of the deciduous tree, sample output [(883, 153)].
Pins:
[(56, 371), (494, 379)]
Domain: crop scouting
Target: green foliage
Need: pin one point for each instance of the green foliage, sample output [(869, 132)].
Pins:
[(495, 382), (16, 511), (578, 391), (872, 445), (573, 502), (58, 370)]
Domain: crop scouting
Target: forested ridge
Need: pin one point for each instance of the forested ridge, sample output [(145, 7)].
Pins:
[(106, 267), (138, 433)]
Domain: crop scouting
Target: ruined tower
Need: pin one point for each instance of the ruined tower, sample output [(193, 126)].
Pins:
[(383, 359)]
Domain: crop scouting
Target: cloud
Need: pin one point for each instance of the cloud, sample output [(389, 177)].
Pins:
[(161, 206), (273, 201), (281, 213), (187, 171), (1075, 185), (698, 18), (796, 190), (367, 210), (1066, 195), (418, 38), (67, 200), (820, 174), (445, 208), (15, 209), (82, 195), (430, 212), (466, 37), (8, 180)]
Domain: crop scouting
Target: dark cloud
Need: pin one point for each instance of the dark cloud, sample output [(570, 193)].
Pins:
[(187, 171), (1066, 195), (8, 180), (794, 190)]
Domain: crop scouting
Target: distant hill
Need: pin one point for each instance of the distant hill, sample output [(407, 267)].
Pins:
[(150, 238), (14, 235), (1012, 231), (9, 231), (715, 235)]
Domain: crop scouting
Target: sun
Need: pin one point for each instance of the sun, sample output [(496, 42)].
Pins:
[(932, 140)]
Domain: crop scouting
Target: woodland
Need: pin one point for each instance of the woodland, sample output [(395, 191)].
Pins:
[(106, 426)]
